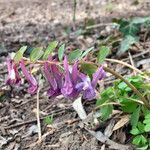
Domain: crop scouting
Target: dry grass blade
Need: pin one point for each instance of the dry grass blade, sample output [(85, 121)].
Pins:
[(124, 120)]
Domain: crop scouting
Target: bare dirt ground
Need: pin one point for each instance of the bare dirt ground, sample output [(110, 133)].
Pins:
[(35, 23)]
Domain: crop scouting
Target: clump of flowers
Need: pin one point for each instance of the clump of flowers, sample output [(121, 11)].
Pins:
[(69, 82)]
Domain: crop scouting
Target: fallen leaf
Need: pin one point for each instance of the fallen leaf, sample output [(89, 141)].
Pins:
[(124, 120)]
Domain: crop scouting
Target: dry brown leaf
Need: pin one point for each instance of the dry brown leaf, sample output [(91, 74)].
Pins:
[(124, 120)]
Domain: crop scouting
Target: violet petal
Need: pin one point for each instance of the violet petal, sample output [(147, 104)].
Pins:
[(13, 74), (67, 88), (33, 85)]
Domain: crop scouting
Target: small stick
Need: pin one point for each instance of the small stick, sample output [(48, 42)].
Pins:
[(38, 116), (132, 63)]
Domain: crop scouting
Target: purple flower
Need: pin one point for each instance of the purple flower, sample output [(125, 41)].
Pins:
[(33, 85), (54, 78), (87, 86), (13, 74), (68, 85), (70, 81), (98, 75)]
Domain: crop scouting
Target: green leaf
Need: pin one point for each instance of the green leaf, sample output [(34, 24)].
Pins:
[(140, 20), (48, 120), (36, 54), (20, 53), (103, 52), (106, 95), (139, 140), (135, 117), (141, 127), (75, 55), (106, 111), (86, 52), (88, 68), (129, 28), (126, 43), (127, 105), (50, 49), (147, 127), (135, 131), (61, 51), (143, 148)]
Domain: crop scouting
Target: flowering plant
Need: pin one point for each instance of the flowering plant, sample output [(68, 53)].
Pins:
[(69, 81)]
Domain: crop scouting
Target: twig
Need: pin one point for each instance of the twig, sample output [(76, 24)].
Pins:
[(38, 116), (137, 55), (125, 64), (132, 63), (98, 25)]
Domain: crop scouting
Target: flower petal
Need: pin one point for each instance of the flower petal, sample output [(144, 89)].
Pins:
[(30, 78), (67, 88), (98, 75), (13, 74)]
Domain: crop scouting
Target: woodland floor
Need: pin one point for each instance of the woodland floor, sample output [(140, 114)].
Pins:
[(35, 23)]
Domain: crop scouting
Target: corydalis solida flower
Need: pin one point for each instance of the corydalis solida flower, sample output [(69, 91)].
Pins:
[(33, 85), (70, 82), (54, 78), (87, 86), (13, 74)]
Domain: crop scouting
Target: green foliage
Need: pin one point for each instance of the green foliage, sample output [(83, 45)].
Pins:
[(86, 52), (139, 140), (88, 68), (103, 52), (61, 51), (51, 47), (20, 53), (130, 29), (79, 54), (48, 120), (127, 42), (36, 54), (129, 103), (74, 55)]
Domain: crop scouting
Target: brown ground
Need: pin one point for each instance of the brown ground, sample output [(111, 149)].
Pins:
[(35, 23)]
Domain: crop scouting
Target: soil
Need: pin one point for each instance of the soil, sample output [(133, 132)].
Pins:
[(35, 23)]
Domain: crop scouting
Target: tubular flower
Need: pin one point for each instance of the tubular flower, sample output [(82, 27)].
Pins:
[(87, 86), (13, 74), (54, 79), (71, 79), (33, 85), (67, 88)]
